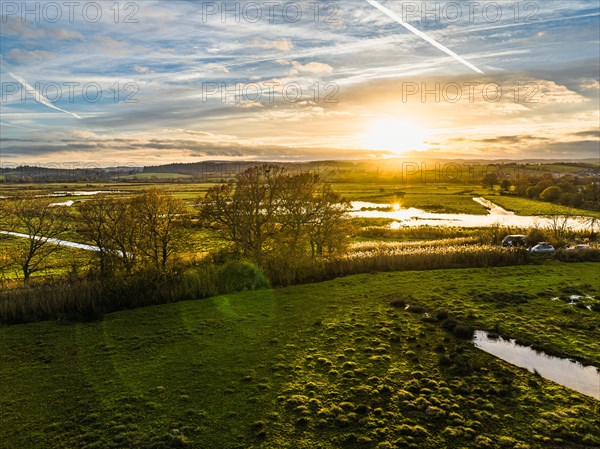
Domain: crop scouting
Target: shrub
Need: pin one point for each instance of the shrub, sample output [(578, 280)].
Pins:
[(463, 331), (417, 308), (441, 314), (238, 276)]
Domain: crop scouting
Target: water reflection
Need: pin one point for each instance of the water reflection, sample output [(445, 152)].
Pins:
[(573, 375), (496, 216)]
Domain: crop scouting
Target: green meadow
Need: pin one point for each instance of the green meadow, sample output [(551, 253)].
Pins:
[(327, 365), (526, 206)]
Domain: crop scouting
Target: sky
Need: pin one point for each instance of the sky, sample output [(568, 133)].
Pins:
[(152, 82)]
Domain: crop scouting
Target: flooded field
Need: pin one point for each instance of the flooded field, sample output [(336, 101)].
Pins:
[(496, 216)]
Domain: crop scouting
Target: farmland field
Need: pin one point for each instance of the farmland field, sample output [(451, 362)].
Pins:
[(324, 365), (525, 206)]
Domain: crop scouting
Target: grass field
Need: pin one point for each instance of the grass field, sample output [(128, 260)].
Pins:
[(525, 206), (449, 198), (322, 365), (58, 264), (159, 176), (433, 197), (562, 168)]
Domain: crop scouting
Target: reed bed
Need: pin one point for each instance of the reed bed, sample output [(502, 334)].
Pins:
[(399, 257), (86, 299), (395, 246), (417, 232)]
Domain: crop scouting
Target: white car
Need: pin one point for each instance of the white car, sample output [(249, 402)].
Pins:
[(580, 247), (542, 247)]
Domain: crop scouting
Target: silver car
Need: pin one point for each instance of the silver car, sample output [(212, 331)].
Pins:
[(542, 247), (579, 247)]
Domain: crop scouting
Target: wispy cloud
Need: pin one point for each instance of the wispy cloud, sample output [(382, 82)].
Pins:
[(11, 125), (364, 59)]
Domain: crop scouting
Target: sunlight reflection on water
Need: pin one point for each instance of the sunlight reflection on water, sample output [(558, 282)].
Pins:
[(496, 216)]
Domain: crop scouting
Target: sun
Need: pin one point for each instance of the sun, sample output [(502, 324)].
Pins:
[(395, 135)]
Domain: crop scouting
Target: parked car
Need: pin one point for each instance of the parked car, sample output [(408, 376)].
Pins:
[(542, 247), (514, 240), (579, 247)]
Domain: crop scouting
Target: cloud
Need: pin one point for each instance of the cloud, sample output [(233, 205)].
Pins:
[(311, 67), (592, 133), (250, 105), (141, 69), (506, 139), (590, 84), (278, 44), (19, 55), (216, 68), (84, 135), (64, 35), (423, 36), (171, 53), (549, 92), (116, 47), (159, 149), (27, 31)]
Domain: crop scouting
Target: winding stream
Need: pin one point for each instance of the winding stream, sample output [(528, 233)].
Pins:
[(496, 216), (573, 375), (55, 241)]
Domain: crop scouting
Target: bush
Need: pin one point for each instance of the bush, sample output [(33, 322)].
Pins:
[(417, 308), (238, 276), (534, 236), (584, 255), (463, 331), (441, 314)]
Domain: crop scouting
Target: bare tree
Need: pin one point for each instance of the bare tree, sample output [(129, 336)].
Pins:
[(559, 225), (94, 216), (330, 228), (161, 218), (247, 212), (217, 209), (144, 231), (5, 259), (40, 222), (288, 215)]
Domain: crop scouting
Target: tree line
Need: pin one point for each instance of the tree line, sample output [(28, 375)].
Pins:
[(269, 216), (567, 190)]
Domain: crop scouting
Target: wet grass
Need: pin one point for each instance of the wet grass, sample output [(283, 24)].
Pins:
[(434, 197), (57, 265), (526, 206), (335, 364)]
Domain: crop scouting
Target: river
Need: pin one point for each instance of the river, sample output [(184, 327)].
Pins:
[(496, 216)]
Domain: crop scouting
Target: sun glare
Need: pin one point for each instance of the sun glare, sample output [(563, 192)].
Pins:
[(395, 135)]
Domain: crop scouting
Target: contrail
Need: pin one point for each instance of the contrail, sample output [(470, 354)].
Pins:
[(422, 35), (37, 95), (13, 126)]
